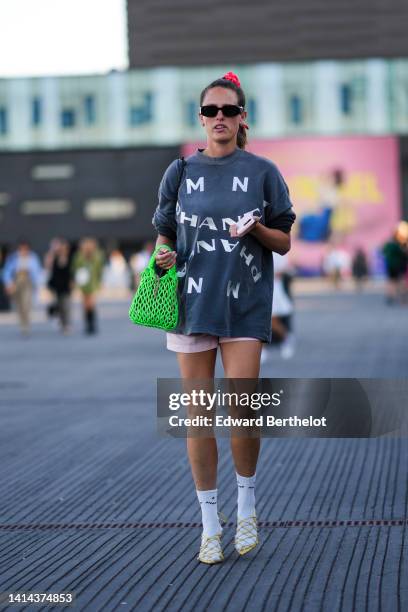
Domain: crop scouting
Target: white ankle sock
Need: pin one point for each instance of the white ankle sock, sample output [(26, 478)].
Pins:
[(246, 496), (209, 514)]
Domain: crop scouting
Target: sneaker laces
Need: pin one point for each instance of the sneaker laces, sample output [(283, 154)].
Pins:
[(210, 549), (246, 536)]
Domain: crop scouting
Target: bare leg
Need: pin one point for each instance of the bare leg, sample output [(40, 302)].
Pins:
[(241, 359), (23, 302), (202, 452)]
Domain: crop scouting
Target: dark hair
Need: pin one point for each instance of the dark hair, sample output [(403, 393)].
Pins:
[(241, 136)]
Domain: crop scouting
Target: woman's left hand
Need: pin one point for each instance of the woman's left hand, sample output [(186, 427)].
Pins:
[(233, 229)]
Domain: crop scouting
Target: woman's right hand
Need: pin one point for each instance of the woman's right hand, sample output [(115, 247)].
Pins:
[(165, 259)]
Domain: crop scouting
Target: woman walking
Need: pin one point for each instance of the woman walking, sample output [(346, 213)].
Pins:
[(87, 268), (225, 281), (60, 281), (22, 277), (396, 265)]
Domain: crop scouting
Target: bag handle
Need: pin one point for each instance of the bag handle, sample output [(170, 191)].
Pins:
[(153, 255)]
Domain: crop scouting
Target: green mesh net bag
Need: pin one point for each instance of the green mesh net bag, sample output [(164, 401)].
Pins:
[(155, 303)]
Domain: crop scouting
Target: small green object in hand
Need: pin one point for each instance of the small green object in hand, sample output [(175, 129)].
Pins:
[(155, 303)]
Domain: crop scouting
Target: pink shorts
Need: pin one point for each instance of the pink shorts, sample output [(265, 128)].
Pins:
[(195, 343)]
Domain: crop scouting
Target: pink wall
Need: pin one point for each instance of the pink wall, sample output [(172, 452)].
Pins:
[(368, 202)]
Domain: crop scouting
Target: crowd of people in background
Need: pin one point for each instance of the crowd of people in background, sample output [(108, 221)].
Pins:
[(338, 264), (64, 269), (86, 268)]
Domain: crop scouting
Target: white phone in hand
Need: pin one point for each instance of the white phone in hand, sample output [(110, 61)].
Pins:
[(245, 224), (247, 221)]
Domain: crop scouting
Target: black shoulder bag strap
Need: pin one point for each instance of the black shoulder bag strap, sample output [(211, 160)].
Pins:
[(183, 165)]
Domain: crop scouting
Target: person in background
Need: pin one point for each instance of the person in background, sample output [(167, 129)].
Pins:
[(60, 282), (116, 274), (282, 313), (403, 230), (87, 267), (139, 261), (21, 277), (288, 273), (4, 298), (52, 307), (395, 258), (359, 268), (336, 264)]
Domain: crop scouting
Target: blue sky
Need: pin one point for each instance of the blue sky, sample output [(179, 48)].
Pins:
[(55, 37)]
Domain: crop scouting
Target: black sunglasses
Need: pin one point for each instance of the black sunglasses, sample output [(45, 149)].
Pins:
[(228, 110)]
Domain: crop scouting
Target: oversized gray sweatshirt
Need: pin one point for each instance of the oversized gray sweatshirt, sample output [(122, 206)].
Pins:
[(225, 284)]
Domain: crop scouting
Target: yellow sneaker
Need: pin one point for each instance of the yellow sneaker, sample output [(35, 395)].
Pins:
[(210, 549), (246, 537)]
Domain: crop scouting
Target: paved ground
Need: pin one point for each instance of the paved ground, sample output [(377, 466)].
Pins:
[(93, 502)]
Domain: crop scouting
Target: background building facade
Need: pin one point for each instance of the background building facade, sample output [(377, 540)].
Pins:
[(159, 106), (176, 33), (103, 193)]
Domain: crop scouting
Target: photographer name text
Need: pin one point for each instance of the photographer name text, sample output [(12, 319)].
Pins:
[(260, 421)]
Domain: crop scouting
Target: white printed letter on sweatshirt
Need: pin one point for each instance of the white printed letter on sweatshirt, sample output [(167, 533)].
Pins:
[(198, 185)]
